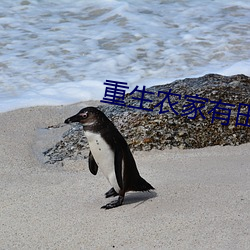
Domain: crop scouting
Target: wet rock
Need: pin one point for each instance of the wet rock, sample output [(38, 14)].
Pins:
[(145, 130)]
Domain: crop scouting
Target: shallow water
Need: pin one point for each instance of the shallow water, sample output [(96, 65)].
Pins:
[(61, 52)]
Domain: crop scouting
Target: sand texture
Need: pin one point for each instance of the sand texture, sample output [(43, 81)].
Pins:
[(201, 198)]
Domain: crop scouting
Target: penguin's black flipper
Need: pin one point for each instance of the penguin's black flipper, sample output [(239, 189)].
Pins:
[(93, 167), (111, 193), (118, 166)]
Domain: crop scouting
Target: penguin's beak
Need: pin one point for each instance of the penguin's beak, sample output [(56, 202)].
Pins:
[(74, 118)]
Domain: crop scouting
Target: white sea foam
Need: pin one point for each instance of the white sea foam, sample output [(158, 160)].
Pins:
[(60, 52)]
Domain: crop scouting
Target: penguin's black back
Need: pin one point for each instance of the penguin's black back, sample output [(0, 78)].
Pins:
[(131, 178)]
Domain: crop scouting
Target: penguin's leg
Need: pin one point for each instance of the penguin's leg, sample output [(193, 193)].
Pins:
[(111, 193), (116, 203)]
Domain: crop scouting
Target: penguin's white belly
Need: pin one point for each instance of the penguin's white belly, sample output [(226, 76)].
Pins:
[(104, 157)]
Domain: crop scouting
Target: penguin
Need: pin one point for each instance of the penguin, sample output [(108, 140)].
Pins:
[(110, 152)]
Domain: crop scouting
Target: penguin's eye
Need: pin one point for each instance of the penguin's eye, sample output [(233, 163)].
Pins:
[(84, 115)]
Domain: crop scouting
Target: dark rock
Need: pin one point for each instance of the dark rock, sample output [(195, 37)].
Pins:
[(145, 130)]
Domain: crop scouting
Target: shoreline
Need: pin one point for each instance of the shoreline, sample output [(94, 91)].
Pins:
[(201, 198)]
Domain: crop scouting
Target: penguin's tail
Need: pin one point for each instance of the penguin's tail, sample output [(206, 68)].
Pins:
[(141, 185)]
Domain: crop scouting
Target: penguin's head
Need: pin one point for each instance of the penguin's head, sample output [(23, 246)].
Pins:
[(88, 117)]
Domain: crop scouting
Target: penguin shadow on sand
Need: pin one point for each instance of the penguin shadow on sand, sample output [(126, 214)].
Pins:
[(138, 198)]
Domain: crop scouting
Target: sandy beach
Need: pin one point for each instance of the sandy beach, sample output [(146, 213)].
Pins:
[(201, 198)]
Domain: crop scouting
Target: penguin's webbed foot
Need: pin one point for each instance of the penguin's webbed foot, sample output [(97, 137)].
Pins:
[(113, 204), (111, 193)]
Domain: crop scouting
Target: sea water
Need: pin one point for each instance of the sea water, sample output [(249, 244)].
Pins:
[(61, 52)]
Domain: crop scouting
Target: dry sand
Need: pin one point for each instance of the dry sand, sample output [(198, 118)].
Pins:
[(201, 201)]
